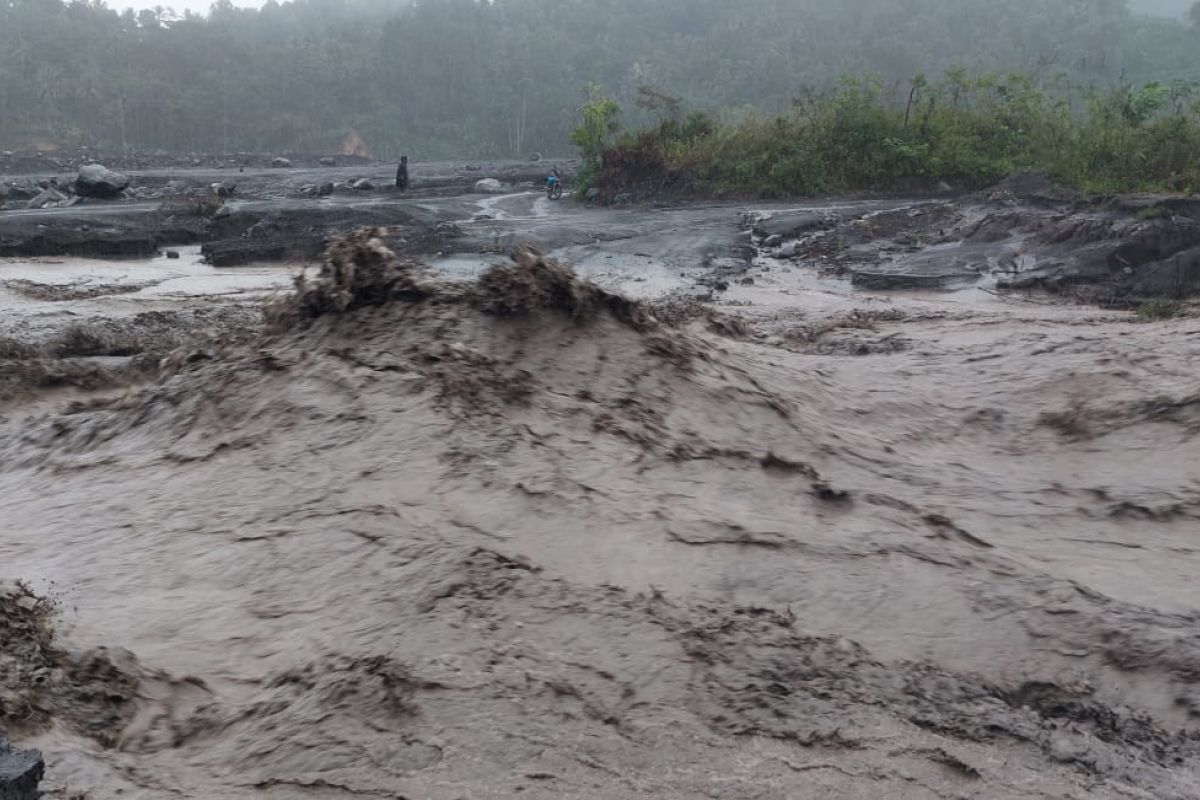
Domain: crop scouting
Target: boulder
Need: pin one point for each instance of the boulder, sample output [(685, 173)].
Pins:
[(97, 180), (328, 161), (535, 157), (489, 186), (788, 250), (236, 252), (593, 194), (363, 185), (788, 224), (473, 168), (624, 198), (325, 189), (281, 163), (20, 773), (22, 190)]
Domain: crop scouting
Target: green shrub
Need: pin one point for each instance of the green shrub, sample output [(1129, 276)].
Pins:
[(1156, 310), (968, 130)]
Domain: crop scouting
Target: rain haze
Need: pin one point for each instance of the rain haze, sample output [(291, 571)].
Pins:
[(600, 399)]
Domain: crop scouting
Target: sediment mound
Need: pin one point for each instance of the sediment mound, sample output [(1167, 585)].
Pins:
[(98, 354), (41, 683), (521, 538)]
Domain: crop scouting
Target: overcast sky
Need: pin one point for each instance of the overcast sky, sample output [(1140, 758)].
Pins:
[(180, 6)]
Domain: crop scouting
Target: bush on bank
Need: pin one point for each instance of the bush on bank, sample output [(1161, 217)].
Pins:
[(966, 130)]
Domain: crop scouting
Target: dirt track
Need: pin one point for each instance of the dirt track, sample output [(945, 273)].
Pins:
[(828, 543)]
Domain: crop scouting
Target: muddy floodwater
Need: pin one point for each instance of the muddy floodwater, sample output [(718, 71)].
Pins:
[(831, 509)]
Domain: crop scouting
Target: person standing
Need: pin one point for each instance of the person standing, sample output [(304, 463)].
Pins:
[(402, 174)]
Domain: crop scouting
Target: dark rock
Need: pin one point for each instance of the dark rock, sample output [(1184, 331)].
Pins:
[(81, 242), (996, 227), (535, 157), (96, 180), (281, 163), (20, 773), (236, 252), (48, 198), (363, 185), (325, 189), (223, 190), (624, 198), (882, 281), (788, 224), (473, 168), (747, 281), (1175, 276), (172, 254), (593, 194), (328, 161), (773, 241)]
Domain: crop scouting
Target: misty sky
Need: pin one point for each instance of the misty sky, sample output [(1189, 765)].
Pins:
[(180, 6), (1164, 7)]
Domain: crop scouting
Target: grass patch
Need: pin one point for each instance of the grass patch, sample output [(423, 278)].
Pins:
[(1153, 212), (1158, 310), (203, 206), (964, 130)]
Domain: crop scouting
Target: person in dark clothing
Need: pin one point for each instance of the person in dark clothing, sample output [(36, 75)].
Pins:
[(402, 174)]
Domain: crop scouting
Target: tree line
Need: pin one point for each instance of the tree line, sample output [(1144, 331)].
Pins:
[(484, 78)]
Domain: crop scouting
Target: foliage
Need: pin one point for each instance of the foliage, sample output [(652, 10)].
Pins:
[(599, 124), (469, 79), (968, 130), (1156, 310), (204, 206)]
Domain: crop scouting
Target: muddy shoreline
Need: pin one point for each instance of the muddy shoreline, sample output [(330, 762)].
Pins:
[(1024, 234), (268, 213)]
